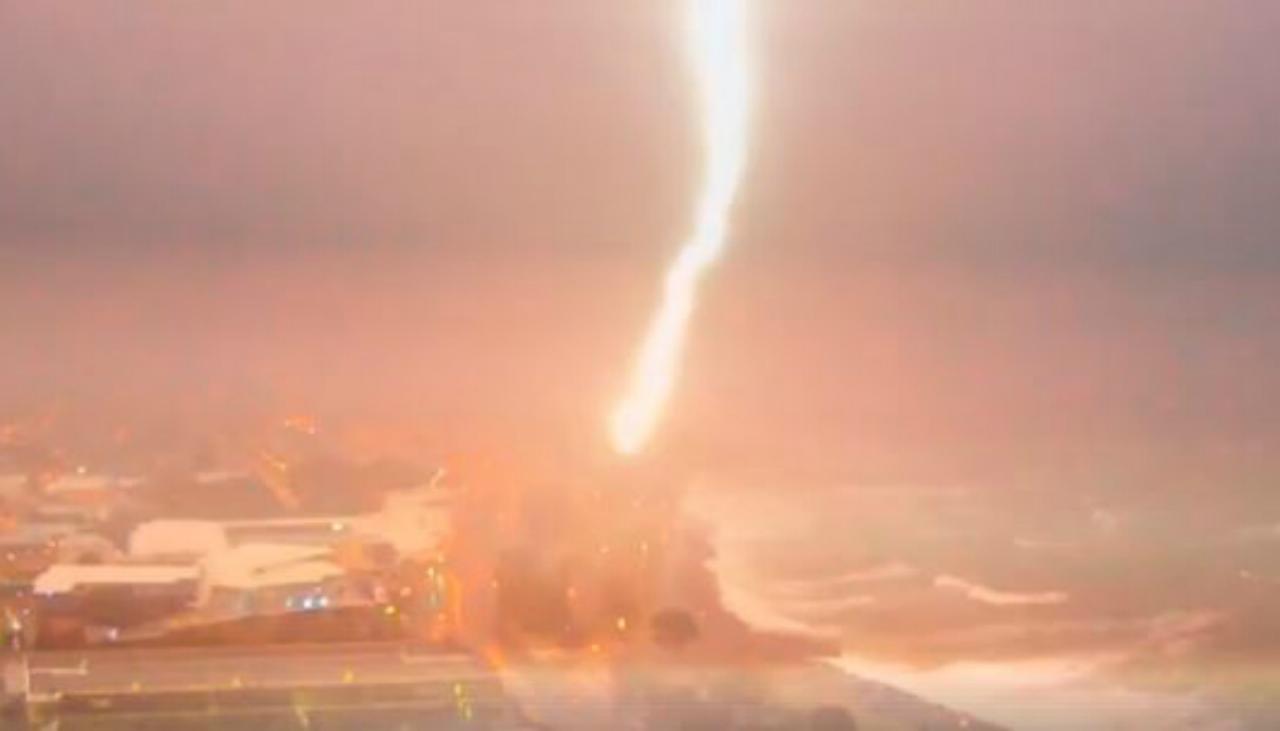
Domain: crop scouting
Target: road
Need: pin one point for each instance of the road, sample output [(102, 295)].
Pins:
[(283, 667)]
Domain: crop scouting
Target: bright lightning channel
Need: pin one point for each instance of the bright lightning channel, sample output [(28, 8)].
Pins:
[(718, 51)]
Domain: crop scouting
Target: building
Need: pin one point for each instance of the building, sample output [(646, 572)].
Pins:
[(28, 549), (79, 604), (411, 522), (191, 573), (177, 540), (142, 580), (83, 481), (266, 579)]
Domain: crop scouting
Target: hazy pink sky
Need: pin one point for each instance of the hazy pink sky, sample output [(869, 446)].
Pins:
[(994, 243), (1017, 218)]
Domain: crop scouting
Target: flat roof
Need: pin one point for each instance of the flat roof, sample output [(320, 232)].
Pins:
[(61, 578)]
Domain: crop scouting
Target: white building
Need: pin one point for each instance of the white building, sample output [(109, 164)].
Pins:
[(71, 578), (177, 540), (261, 578), (411, 521)]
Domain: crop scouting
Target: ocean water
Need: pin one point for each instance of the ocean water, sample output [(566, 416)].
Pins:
[(1034, 611)]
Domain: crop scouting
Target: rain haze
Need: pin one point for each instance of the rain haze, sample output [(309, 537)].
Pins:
[(983, 392)]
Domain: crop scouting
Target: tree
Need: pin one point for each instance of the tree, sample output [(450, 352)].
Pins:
[(674, 628)]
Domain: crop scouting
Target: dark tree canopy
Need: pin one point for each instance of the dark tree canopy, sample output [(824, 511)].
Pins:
[(674, 628)]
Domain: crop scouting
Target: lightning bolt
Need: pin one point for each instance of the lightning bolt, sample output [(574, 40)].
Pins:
[(718, 52)]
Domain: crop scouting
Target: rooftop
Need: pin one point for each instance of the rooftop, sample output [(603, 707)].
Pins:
[(61, 578)]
